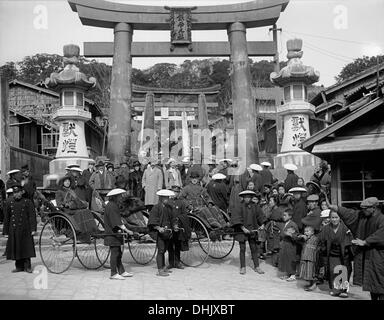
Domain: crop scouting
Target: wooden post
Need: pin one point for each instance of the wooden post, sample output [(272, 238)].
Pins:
[(4, 129)]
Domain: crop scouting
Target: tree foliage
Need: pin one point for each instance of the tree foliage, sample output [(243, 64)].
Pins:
[(357, 66), (189, 74)]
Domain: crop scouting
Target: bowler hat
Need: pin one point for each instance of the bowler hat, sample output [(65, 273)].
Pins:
[(313, 197), (100, 164)]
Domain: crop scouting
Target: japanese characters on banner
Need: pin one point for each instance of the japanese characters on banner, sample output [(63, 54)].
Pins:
[(72, 140), (296, 130)]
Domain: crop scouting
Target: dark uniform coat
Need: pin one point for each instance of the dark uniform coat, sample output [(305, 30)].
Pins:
[(181, 214), (369, 260), (219, 194), (266, 177), (248, 215), (299, 212), (112, 219), (161, 215), (19, 223), (290, 181)]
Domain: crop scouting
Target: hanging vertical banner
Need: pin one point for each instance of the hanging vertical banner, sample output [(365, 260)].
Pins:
[(185, 134)]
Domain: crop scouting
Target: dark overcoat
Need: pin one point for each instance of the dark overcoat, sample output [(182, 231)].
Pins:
[(248, 215), (112, 219), (368, 260), (19, 223), (219, 194)]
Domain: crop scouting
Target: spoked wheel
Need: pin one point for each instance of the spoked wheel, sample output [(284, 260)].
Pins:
[(142, 250), (57, 244), (92, 254), (221, 246), (199, 244)]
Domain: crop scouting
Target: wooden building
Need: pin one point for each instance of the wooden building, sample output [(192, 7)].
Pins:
[(353, 138)]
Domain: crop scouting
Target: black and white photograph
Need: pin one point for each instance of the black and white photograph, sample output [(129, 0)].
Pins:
[(192, 154)]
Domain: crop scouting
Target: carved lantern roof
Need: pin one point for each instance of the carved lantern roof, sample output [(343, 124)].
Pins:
[(71, 75), (295, 71)]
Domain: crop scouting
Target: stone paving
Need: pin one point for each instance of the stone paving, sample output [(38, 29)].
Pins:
[(215, 279)]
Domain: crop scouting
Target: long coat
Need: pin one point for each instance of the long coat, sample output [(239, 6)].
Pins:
[(368, 260), (290, 181), (299, 212), (287, 253), (98, 180), (19, 223), (134, 183), (234, 198), (266, 177), (219, 194), (152, 182), (112, 221), (248, 215)]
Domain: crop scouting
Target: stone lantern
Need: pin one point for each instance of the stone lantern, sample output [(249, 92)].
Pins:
[(296, 111), (72, 115)]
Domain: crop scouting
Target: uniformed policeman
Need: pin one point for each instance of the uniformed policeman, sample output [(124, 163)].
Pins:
[(20, 227)]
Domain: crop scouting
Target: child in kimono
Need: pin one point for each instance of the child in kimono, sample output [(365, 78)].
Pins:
[(309, 257), (287, 253), (247, 218)]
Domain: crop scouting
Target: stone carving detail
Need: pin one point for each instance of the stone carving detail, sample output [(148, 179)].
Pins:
[(181, 25)]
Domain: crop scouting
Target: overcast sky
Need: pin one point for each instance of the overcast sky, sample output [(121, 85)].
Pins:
[(334, 32)]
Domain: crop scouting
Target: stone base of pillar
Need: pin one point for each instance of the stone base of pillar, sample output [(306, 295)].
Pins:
[(305, 162)]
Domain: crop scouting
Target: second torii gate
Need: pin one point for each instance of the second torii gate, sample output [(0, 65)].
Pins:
[(124, 18)]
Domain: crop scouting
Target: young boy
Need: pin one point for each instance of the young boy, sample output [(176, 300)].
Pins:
[(247, 218), (162, 221), (287, 253)]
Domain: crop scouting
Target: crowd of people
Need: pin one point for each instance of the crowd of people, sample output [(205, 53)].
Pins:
[(291, 223)]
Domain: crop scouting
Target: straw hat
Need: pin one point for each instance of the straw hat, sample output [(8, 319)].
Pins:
[(115, 192)]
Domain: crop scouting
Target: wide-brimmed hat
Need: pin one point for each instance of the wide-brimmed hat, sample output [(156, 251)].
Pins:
[(186, 160), (369, 202), (313, 197), (219, 176), (297, 189), (255, 167), (266, 164), (115, 192), (290, 167), (313, 183), (13, 171), (71, 166), (100, 164), (286, 195), (10, 190), (91, 161), (247, 193), (165, 193), (110, 165), (225, 160), (75, 169)]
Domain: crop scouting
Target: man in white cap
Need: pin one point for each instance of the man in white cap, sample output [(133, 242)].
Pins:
[(291, 179), (266, 174), (161, 223), (367, 227), (115, 225), (247, 218), (253, 174), (218, 191)]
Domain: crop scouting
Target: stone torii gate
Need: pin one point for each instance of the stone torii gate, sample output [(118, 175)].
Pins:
[(125, 18)]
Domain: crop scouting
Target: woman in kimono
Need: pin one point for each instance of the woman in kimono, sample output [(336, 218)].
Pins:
[(246, 220), (336, 239), (287, 253)]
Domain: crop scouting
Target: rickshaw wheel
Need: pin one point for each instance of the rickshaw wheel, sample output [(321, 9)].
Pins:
[(93, 254), (57, 256), (142, 251), (199, 244), (221, 248)]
